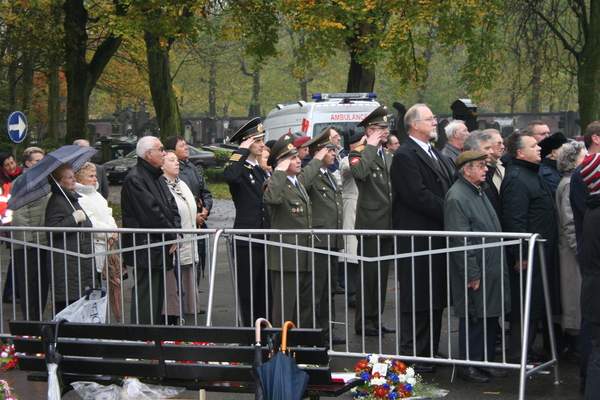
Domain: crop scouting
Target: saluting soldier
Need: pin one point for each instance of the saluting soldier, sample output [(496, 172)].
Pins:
[(327, 206), (245, 178), (289, 208), (370, 164)]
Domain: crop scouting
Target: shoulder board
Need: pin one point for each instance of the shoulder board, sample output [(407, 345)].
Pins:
[(235, 157), (248, 166), (360, 148)]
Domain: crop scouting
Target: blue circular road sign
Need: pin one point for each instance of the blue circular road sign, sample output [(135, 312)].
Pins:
[(16, 125)]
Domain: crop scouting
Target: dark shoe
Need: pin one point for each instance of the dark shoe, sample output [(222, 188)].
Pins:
[(424, 368), (492, 372), (352, 304), (439, 354), (339, 290), (338, 340), (202, 311), (385, 329), (472, 375), (369, 332), (535, 358)]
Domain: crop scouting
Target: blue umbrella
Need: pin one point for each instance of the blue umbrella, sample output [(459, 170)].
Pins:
[(33, 185)]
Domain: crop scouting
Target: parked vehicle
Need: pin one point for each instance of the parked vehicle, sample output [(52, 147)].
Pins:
[(117, 169)]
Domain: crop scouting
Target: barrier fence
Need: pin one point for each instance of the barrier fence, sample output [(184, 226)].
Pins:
[(405, 281)]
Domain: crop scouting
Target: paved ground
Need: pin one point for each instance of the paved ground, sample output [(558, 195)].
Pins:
[(538, 387)]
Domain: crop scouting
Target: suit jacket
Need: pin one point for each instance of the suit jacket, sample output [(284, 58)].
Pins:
[(288, 209), (418, 192), (326, 202), (246, 187), (374, 206)]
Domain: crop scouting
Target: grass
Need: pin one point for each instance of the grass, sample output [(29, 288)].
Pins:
[(219, 191)]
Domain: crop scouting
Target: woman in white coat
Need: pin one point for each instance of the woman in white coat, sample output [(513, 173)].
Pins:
[(186, 256)]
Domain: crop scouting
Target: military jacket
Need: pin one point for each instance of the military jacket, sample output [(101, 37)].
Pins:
[(288, 209), (374, 207), (326, 201)]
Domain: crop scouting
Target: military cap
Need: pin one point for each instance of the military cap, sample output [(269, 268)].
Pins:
[(283, 147), (468, 156), (323, 139), (356, 138), (270, 144), (377, 117), (301, 142), (552, 142), (253, 128)]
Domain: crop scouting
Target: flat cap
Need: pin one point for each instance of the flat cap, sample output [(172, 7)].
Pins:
[(468, 156)]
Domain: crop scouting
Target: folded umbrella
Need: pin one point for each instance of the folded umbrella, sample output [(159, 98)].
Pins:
[(258, 393), (33, 185), (280, 377)]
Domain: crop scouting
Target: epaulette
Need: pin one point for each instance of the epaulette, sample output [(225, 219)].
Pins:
[(360, 148), (248, 166), (235, 157)]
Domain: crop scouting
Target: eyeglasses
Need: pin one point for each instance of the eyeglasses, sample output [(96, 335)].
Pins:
[(161, 149), (429, 120)]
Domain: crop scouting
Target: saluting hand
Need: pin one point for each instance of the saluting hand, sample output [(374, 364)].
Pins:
[(375, 138), (247, 143), (321, 153), (283, 166)]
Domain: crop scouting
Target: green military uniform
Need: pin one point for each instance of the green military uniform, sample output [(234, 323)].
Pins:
[(373, 211), (327, 208), (289, 208)]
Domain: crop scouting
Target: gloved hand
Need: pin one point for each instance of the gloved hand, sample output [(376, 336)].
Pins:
[(79, 216)]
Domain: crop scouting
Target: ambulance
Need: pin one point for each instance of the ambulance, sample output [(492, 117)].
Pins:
[(343, 111)]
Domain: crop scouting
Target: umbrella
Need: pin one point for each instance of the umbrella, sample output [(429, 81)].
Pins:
[(53, 359), (115, 274), (280, 377), (33, 185), (259, 394)]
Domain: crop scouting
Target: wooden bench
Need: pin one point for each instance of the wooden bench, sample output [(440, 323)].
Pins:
[(156, 354)]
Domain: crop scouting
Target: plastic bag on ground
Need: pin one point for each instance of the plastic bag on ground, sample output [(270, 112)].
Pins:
[(132, 389)]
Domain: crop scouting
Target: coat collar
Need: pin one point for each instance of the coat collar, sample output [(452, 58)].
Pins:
[(151, 169)]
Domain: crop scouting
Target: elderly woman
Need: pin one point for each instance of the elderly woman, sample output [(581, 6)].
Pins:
[(568, 159), (100, 214), (187, 255), (70, 274)]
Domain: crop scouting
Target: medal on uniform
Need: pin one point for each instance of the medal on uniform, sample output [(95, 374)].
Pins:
[(251, 179)]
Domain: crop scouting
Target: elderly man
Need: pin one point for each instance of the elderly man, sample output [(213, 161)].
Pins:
[(289, 208), (327, 207), (370, 164), (495, 165), (467, 209), (528, 207), (482, 141), (147, 202), (456, 132), (392, 144), (245, 179), (539, 130), (421, 176)]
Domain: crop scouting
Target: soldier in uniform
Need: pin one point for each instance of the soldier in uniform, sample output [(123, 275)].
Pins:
[(245, 179), (370, 164), (289, 208), (326, 199)]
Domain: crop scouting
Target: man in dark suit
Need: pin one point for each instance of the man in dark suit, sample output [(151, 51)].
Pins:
[(289, 208), (370, 166), (327, 206), (245, 179), (421, 176)]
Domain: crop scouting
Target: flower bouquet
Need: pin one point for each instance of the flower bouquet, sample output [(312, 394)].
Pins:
[(6, 392), (386, 378), (8, 357)]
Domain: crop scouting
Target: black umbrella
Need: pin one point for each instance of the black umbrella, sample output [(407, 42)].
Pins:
[(280, 377), (33, 184), (259, 394)]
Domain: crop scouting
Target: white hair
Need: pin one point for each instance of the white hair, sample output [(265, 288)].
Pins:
[(144, 144), (452, 126), (81, 142)]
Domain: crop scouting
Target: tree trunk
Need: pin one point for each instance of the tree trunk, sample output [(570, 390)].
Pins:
[(161, 87), (588, 78), (254, 109), (360, 77), (212, 90), (53, 100), (81, 75)]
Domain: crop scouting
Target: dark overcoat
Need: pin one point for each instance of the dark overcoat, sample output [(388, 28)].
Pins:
[(419, 189), (59, 214), (590, 295), (468, 210)]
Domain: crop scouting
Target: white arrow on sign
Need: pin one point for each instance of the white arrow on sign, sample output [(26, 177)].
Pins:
[(20, 127)]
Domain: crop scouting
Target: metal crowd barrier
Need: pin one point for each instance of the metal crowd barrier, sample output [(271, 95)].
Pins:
[(224, 247)]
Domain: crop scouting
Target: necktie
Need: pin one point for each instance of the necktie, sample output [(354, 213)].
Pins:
[(300, 190), (330, 180), (380, 153), (437, 163)]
